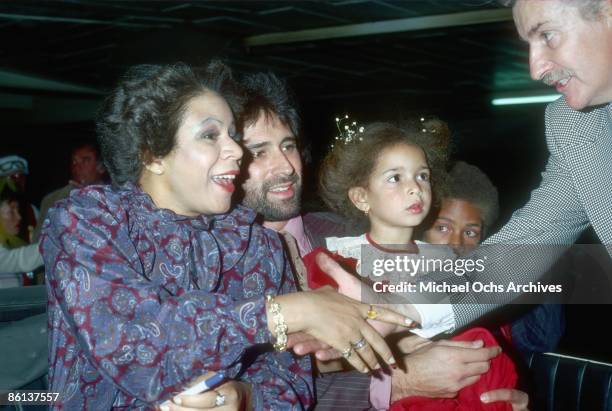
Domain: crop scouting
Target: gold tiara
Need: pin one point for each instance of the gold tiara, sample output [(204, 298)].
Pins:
[(430, 125), (348, 132)]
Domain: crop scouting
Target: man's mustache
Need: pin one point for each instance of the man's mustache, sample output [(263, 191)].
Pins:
[(554, 76)]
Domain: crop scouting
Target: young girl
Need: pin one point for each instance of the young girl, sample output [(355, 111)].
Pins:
[(388, 174)]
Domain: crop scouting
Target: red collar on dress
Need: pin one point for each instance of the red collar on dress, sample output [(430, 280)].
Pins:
[(412, 247)]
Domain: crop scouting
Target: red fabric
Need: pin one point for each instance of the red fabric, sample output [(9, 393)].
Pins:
[(316, 277), (501, 374)]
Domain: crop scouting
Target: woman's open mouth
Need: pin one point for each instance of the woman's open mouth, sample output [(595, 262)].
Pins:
[(226, 180)]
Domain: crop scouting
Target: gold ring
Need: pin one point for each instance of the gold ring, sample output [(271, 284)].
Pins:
[(372, 314)]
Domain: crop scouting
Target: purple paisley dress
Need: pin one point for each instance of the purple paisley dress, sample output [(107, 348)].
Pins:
[(142, 301)]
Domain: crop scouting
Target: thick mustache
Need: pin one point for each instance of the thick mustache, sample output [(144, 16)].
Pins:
[(292, 179), (552, 77)]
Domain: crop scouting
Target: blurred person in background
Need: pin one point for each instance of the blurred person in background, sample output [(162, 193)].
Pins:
[(13, 174), (86, 168), (15, 256)]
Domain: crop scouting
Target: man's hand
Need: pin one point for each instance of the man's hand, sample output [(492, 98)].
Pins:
[(410, 343), (518, 399), (441, 369)]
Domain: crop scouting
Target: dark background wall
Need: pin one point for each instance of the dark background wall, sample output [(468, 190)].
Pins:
[(448, 59)]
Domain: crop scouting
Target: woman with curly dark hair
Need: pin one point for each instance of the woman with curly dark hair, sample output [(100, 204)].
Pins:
[(154, 282)]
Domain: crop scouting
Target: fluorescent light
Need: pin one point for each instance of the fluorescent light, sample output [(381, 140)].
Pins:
[(525, 100), (381, 27)]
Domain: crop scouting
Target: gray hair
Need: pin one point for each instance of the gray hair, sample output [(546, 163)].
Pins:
[(590, 10)]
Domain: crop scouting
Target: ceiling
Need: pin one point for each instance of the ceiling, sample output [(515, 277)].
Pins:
[(58, 57)]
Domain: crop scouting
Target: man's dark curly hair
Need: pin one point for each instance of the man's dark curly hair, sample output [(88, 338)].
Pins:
[(266, 93), (139, 120), (350, 165)]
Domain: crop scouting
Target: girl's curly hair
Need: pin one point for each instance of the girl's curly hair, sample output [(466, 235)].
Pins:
[(350, 165)]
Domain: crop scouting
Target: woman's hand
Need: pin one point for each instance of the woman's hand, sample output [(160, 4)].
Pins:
[(340, 322), (303, 344), (352, 287), (236, 397)]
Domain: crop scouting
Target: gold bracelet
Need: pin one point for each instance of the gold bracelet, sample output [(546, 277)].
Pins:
[(280, 328)]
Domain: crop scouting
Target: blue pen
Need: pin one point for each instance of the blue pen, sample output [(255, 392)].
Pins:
[(205, 385), (199, 388)]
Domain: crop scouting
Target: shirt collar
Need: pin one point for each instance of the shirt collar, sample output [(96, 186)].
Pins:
[(295, 227), (144, 203)]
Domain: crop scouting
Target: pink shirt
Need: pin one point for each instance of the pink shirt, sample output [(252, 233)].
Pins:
[(380, 385), (295, 227)]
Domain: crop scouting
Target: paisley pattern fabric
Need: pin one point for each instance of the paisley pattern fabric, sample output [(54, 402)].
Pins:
[(142, 301)]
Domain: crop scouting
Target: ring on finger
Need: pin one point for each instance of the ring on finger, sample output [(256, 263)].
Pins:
[(359, 344), (372, 314), (346, 354), (219, 399)]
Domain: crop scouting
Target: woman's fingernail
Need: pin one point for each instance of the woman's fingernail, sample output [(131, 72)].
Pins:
[(477, 343), (365, 370), (391, 361), (164, 408), (484, 398), (177, 400)]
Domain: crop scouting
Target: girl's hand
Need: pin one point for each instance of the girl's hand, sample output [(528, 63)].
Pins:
[(236, 394), (517, 399), (350, 286), (340, 322)]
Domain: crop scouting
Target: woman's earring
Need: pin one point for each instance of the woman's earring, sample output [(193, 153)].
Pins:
[(155, 168), (157, 171)]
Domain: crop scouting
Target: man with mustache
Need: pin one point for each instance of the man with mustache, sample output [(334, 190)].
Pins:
[(270, 127), (570, 47)]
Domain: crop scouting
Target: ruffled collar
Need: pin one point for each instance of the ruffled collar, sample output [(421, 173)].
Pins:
[(142, 203), (231, 231)]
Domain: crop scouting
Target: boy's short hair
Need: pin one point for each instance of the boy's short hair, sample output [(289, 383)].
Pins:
[(469, 183)]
